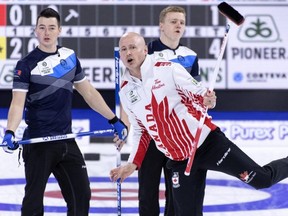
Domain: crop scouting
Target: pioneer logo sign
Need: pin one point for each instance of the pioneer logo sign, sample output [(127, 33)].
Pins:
[(259, 28)]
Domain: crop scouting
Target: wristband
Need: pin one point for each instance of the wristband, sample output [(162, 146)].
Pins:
[(113, 120), (10, 132)]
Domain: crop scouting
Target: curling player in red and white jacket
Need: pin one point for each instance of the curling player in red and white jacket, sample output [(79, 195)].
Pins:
[(165, 103)]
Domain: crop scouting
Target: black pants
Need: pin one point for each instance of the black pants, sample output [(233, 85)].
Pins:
[(219, 154), (65, 161), (149, 176)]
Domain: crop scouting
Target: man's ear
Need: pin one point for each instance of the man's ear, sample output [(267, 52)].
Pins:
[(146, 49), (60, 30), (160, 26)]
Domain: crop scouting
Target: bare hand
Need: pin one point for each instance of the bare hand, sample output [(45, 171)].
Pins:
[(118, 142), (122, 172), (210, 99)]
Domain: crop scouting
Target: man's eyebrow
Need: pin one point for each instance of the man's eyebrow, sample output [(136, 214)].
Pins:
[(48, 25)]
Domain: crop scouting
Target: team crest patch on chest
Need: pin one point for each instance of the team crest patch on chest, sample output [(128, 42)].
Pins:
[(181, 58), (64, 64), (45, 68), (133, 96)]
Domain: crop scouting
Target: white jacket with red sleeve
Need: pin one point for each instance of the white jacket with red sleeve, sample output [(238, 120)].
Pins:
[(165, 105)]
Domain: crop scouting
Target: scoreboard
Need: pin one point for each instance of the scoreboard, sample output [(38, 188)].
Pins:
[(93, 30)]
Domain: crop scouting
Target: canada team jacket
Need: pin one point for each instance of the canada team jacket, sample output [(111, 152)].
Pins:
[(166, 105)]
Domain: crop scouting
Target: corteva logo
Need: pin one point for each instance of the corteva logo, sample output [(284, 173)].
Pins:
[(258, 28)]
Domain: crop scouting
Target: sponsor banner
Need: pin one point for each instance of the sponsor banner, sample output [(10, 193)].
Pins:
[(81, 125), (242, 132), (206, 70), (101, 72), (255, 133), (6, 73), (257, 54)]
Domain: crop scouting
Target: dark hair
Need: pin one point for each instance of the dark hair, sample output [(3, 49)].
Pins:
[(49, 12)]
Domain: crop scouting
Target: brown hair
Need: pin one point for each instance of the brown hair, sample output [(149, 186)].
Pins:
[(169, 9)]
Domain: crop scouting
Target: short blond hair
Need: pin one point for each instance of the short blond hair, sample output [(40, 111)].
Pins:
[(170, 9)]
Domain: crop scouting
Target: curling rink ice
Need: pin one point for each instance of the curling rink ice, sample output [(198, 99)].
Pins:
[(225, 196)]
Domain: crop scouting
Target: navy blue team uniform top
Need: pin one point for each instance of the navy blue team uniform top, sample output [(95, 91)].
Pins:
[(48, 80), (182, 55)]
